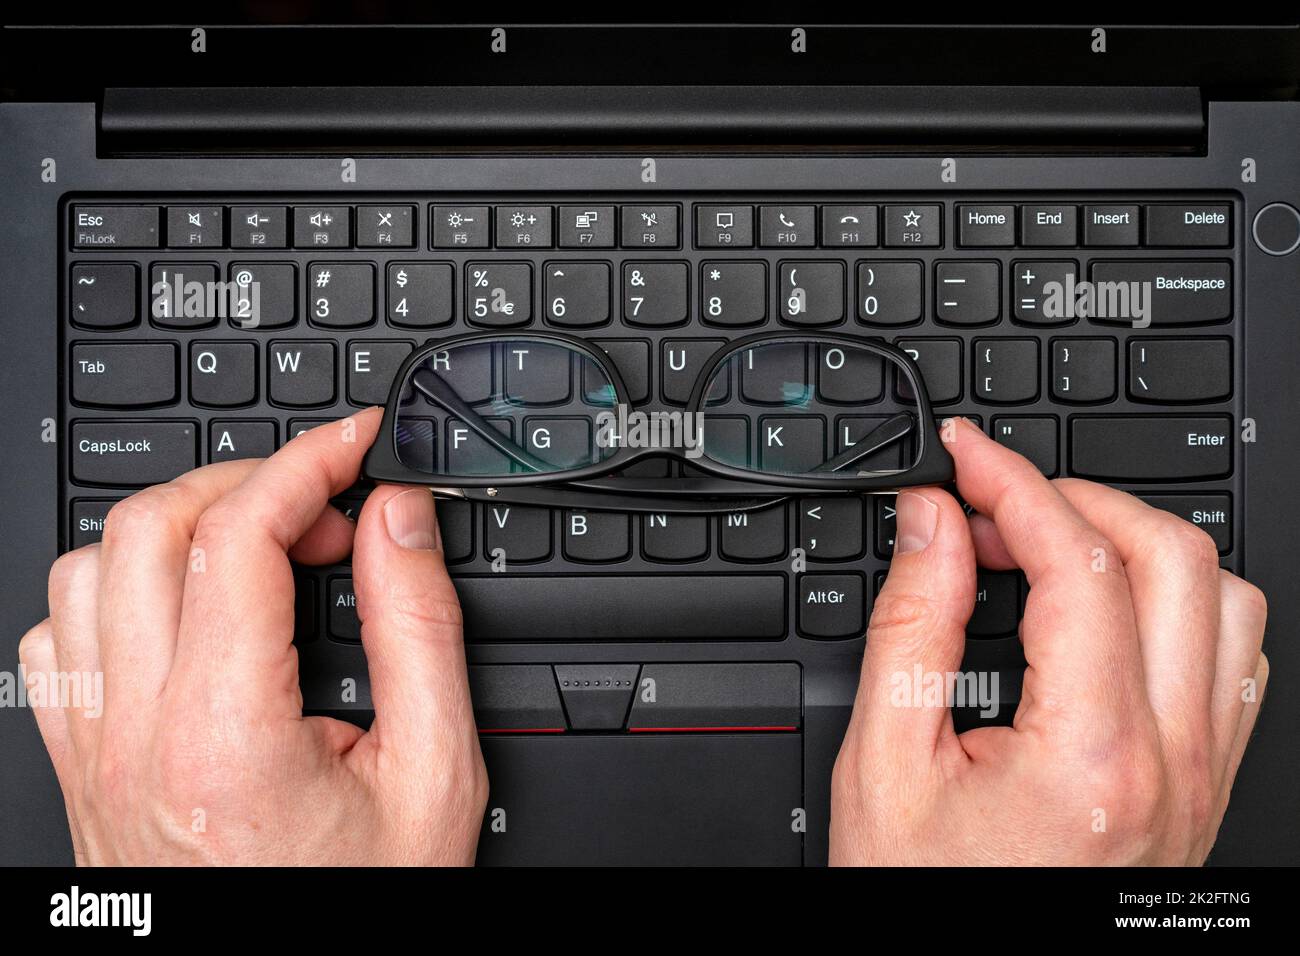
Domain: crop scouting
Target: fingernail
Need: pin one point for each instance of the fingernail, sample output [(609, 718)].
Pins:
[(410, 520), (917, 518)]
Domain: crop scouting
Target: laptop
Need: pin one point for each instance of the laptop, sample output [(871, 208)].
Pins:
[(658, 688)]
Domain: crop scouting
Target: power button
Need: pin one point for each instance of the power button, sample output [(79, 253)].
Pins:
[(1277, 229)]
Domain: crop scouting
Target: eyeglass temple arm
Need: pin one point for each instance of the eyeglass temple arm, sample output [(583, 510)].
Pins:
[(440, 393), (886, 433)]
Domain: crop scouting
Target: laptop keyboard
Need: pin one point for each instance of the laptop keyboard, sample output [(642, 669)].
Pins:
[(983, 291)]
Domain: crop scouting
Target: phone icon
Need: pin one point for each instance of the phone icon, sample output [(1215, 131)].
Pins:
[(784, 221), (847, 219)]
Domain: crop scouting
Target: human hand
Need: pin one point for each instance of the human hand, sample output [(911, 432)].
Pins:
[(1143, 682), (202, 754)]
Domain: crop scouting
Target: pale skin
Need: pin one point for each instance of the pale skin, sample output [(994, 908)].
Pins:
[(1132, 704)]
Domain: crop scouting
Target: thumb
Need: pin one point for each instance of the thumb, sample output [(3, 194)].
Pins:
[(411, 629), (917, 632)]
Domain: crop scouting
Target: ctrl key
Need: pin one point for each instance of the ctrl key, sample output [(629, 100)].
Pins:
[(831, 605), (132, 454)]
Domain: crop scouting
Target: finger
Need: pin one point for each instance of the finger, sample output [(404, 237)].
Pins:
[(1243, 613), (1245, 727), (990, 551), (234, 647), (917, 629), (1173, 573), (328, 541), (74, 612), (1079, 633), (411, 630)]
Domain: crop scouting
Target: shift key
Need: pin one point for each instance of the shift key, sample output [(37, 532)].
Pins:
[(132, 454), (1150, 448)]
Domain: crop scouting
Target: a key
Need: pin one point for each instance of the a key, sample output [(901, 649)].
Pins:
[(1171, 292), (598, 536), (1006, 370), (631, 357), (223, 374), (191, 227), (301, 374), (1043, 291), (459, 227), (775, 374), (536, 373), (831, 529), (682, 361), (1179, 370), (172, 302), (889, 292), (812, 293), (724, 227), (650, 227), (752, 535), (103, 295), (259, 227), (733, 293), (1035, 437), (967, 293), (420, 294), (520, 227), (132, 454), (587, 227), (831, 605), (939, 361), (371, 369), (498, 293), (384, 227), (231, 440), (341, 295), (674, 537), (1083, 370), (322, 227), (517, 533), (577, 293), (266, 295), (787, 226), (134, 375), (654, 293), (1151, 447), (792, 444), (848, 376)]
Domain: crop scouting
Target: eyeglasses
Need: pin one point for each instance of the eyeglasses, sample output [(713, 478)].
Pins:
[(546, 419)]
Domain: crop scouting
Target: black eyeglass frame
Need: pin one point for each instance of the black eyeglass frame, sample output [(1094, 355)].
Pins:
[(568, 487)]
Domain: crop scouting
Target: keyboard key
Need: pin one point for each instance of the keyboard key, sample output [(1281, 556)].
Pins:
[(811, 293), (1083, 370), (383, 227), (1110, 225), (1006, 370), (1212, 513), (997, 605), (775, 375), (372, 366), (831, 605), (132, 375), (301, 374), (831, 528), (597, 696), (851, 429), (132, 454), (1190, 225), (195, 227), (537, 374), (757, 535), (787, 226), (520, 227), (456, 529), (121, 227), (719, 697), (683, 360), (792, 444), (459, 227), (577, 293), (986, 225), (733, 293), (886, 526), (469, 454), (231, 440), (266, 294), (939, 361), (996, 669), (586, 227), (567, 442), (498, 293), (87, 524), (1179, 370), (178, 297), (259, 227), (913, 225), (967, 293), (518, 533), (598, 536), (720, 227), (516, 697), (344, 625), (321, 227), (631, 357), (654, 293), (671, 537), (849, 376), (1034, 437), (849, 226), (889, 292), (1033, 302), (1151, 447), (647, 227), (1182, 291), (1049, 225), (420, 294), (104, 295), (342, 294)]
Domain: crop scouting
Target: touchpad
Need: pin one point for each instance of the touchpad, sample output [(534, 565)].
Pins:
[(673, 799)]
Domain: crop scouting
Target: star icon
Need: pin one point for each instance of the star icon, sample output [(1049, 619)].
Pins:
[(715, 275), (912, 218)]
